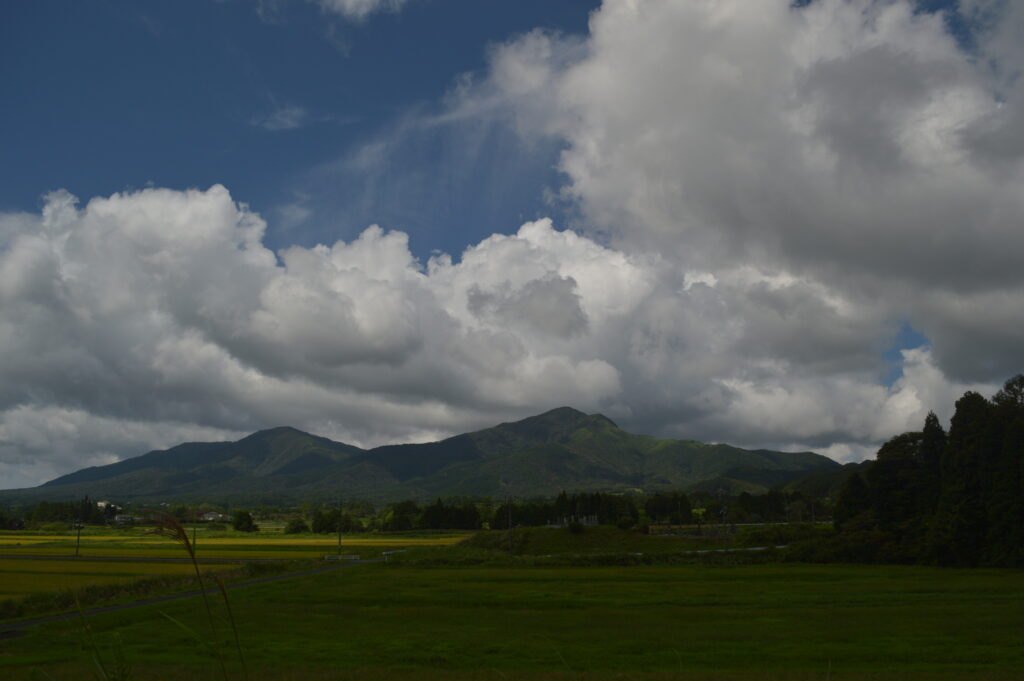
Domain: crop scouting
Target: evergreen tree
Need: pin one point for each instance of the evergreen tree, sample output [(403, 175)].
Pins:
[(933, 444), (1005, 492), (959, 529), (243, 522), (854, 500), (1011, 396), (562, 509), (671, 507), (894, 479)]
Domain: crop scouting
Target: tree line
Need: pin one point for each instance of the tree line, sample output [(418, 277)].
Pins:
[(83, 511), (953, 498), (599, 508), (671, 507)]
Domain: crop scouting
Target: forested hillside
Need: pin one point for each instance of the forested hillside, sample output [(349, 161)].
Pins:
[(561, 449)]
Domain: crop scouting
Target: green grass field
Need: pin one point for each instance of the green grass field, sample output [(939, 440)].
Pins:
[(763, 622), (523, 619)]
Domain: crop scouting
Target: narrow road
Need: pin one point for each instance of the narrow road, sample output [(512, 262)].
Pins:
[(14, 629)]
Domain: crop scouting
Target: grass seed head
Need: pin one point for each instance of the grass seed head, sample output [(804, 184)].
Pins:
[(167, 525)]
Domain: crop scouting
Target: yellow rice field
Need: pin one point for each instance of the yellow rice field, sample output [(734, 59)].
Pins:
[(9, 539), (20, 575), (20, 578), (239, 548)]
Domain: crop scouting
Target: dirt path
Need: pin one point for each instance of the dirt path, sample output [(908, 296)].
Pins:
[(14, 629)]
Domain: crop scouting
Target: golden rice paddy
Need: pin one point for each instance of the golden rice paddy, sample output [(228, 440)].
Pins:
[(31, 563), (20, 578)]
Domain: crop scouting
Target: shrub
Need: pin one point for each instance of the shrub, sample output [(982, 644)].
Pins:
[(296, 526), (244, 523)]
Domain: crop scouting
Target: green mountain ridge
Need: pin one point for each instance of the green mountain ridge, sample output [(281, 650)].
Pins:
[(562, 449)]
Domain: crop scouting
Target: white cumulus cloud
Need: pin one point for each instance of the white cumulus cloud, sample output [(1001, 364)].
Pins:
[(158, 315), (766, 194), (852, 146)]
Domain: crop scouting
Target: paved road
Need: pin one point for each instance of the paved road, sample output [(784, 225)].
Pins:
[(746, 548), (13, 629)]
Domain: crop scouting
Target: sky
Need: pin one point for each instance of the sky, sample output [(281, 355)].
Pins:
[(796, 226)]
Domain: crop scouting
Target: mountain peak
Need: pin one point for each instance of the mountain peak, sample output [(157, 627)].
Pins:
[(560, 449), (554, 425), (287, 433), (277, 430), (561, 412), (567, 416)]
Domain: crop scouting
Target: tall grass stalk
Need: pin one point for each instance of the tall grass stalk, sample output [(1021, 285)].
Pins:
[(203, 643), (121, 671), (89, 642), (234, 626), (168, 526)]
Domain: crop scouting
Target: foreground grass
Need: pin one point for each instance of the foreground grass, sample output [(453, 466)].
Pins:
[(694, 622)]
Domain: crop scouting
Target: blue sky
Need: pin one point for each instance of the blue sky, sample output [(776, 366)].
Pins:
[(749, 221), (115, 96)]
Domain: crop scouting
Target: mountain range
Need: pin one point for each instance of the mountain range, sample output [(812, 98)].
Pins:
[(562, 449)]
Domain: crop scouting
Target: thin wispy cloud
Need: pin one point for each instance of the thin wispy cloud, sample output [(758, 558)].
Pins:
[(282, 118), (357, 10)]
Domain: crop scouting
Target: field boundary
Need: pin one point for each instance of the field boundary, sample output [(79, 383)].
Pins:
[(142, 559), (7, 629)]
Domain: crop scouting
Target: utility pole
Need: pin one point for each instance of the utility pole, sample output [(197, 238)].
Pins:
[(78, 540), (508, 504), (339, 525)]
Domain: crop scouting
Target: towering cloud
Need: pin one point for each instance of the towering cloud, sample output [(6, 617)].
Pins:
[(853, 146), (157, 316), (767, 195)]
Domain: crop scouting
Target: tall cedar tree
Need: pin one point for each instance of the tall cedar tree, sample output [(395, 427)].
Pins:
[(953, 500), (854, 501)]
